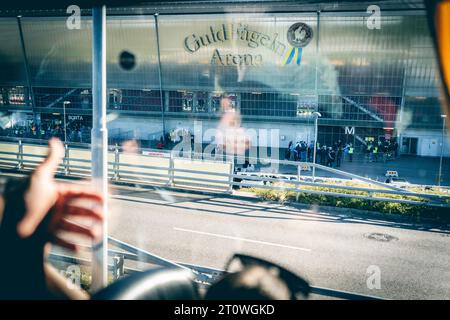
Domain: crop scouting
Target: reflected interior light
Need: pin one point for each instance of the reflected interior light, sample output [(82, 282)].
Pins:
[(421, 98), (111, 116), (130, 146), (338, 62), (362, 62)]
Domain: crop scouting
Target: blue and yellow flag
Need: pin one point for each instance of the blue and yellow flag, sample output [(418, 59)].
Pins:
[(295, 54)]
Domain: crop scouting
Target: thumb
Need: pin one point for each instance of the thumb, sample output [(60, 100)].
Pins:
[(54, 157), (40, 196)]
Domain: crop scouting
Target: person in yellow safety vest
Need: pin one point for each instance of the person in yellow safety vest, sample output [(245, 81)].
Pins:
[(375, 153), (369, 152), (350, 153)]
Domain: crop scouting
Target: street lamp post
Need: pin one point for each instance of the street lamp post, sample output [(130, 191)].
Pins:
[(160, 80), (442, 149), (65, 127), (316, 115)]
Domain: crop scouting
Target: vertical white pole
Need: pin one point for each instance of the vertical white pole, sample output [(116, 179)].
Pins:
[(99, 142), (65, 125), (315, 147), (160, 79)]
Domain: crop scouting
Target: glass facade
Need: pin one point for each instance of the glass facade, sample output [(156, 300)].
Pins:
[(351, 74)]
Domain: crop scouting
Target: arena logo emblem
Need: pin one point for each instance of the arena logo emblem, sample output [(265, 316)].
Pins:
[(299, 36)]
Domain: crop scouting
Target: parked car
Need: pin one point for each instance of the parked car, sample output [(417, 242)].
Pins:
[(397, 182), (391, 173)]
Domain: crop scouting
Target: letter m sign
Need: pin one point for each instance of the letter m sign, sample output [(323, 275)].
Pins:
[(349, 130)]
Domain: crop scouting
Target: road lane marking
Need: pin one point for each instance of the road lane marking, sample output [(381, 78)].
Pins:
[(242, 239)]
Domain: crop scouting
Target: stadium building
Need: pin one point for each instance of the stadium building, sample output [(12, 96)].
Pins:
[(369, 74)]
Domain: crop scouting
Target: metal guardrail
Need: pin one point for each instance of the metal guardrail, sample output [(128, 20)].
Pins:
[(210, 176), (202, 275)]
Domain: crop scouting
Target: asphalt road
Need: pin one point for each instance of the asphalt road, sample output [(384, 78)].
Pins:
[(330, 248)]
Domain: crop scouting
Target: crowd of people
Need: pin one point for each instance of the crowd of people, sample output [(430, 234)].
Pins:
[(330, 156), (381, 150), (74, 132), (333, 156), (300, 151)]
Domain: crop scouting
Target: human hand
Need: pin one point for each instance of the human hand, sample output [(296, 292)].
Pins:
[(47, 197)]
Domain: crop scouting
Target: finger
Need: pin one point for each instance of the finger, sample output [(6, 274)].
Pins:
[(79, 229), (27, 226), (69, 191), (65, 244), (38, 199), (54, 157), (65, 187), (83, 212), (82, 195)]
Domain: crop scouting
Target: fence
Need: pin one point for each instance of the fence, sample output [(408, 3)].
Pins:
[(192, 171), (149, 167)]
